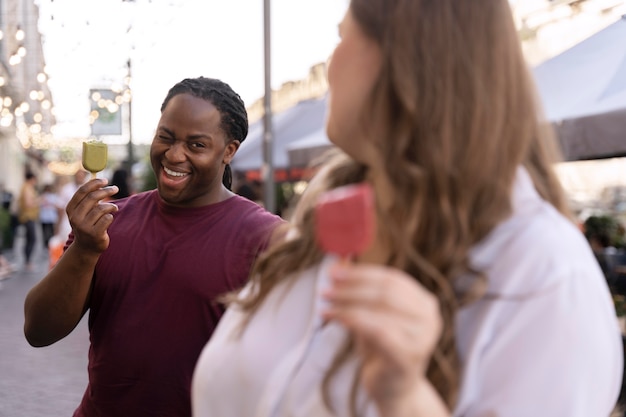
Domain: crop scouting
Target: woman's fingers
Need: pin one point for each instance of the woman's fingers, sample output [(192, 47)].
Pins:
[(394, 318), (395, 321), (393, 336), (400, 336), (380, 287)]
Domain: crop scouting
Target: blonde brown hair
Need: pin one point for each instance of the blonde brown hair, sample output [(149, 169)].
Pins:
[(459, 115)]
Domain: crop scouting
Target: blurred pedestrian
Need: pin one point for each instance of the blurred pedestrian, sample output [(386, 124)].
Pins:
[(250, 189), (6, 267), (478, 295), (28, 216), (121, 180), (49, 208), (66, 192)]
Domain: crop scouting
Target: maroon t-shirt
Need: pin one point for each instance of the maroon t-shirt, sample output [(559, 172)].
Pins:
[(153, 303)]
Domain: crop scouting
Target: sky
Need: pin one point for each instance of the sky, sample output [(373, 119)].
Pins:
[(87, 44)]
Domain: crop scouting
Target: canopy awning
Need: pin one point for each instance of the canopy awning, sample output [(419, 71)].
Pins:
[(583, 93)]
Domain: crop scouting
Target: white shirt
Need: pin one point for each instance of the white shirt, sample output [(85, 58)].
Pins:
[(544, 342), (49, 204), (65, 195)]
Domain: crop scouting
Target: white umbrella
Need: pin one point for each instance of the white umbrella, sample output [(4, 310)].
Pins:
[(305, 150), (289, 126), (583, 92)]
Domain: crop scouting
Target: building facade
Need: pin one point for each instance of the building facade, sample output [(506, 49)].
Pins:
[(26, 108), (548, 27)]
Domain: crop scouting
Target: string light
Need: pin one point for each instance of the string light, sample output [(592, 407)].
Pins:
[(34, 112), (19, 34)]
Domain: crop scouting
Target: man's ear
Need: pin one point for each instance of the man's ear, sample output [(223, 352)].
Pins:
[(229, 152)]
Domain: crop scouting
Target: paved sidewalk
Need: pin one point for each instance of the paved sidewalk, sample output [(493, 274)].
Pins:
[(37, 382)]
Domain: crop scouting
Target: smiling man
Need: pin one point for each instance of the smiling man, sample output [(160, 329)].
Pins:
[(150, 267)]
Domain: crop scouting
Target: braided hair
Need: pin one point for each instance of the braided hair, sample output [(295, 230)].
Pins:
[(230, 105)]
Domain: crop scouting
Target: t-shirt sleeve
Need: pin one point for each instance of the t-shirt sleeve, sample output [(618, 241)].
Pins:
[(250, 236)]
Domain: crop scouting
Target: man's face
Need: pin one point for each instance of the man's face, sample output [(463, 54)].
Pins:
[(189, 152)]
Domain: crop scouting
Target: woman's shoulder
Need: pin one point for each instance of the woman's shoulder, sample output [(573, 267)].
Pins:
[(533, 251)]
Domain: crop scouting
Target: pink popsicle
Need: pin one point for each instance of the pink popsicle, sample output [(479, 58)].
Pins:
[(345, 220)]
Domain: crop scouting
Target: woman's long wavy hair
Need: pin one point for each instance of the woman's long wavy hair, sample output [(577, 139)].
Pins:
[(459, 115)]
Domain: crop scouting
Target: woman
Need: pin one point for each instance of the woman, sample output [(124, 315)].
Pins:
[(478, 297), (28, 212)]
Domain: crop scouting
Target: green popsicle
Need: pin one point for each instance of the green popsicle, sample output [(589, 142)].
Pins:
[(94, 156)]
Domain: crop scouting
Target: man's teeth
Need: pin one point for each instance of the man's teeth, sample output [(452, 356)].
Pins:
[(174, 173)]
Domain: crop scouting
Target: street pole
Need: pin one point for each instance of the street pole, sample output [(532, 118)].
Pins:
[(268, 136), (131, 151)]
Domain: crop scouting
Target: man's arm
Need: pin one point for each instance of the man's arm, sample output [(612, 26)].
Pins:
[(56, 304)]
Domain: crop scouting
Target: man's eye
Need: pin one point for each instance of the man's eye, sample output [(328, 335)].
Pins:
[(198, 145)]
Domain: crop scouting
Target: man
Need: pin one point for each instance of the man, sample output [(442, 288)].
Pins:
[(150, 267)]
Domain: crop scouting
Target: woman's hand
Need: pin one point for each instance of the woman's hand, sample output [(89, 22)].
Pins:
[(396, 324), (90, 217)]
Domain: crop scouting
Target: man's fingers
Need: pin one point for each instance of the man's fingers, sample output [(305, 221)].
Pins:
[(94, 190), (100, 214)]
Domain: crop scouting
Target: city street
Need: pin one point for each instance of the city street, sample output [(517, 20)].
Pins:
[(36, 382)]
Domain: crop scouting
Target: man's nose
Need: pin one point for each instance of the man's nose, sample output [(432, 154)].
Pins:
[(176, 152)]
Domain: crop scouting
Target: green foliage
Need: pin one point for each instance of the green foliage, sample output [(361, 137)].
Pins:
[(620, 304), (6, 236), (148, 180), (607, 230), (5, 219)]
